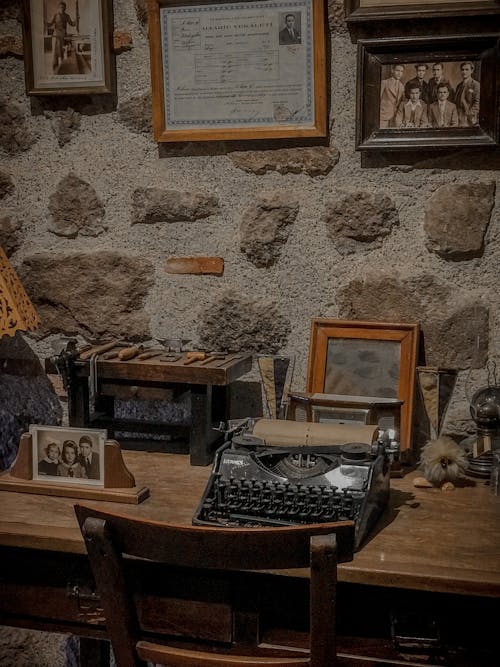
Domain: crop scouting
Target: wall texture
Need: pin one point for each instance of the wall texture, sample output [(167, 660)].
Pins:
[(91, 207)]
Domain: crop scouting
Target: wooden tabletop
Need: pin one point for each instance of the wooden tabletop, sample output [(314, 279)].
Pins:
[(427, 539)]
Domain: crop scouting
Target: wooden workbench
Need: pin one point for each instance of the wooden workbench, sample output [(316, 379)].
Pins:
[(434, 550)]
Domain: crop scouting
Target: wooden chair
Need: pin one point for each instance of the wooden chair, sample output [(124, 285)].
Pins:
[(110, 537)]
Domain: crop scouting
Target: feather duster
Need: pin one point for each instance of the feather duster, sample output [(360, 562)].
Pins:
[(442, 460)]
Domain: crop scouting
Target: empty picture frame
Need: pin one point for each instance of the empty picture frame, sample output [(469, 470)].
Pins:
[(386, 117), (372, 359), (237, 70)]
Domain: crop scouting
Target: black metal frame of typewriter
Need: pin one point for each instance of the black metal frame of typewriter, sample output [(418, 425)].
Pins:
[(364, 507)]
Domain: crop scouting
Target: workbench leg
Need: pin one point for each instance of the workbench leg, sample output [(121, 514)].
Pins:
[(201, 412), (78, 403), (94, 652)]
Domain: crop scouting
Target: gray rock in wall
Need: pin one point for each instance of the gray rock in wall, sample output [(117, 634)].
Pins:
[(6, 184), (136, 114), (15, 133), (11, 45), (314, 161), (64, 123), (454, 324), (360, 218), (456, 219), (76, 209), (336, 16), (236, 322), (141, 12), (9, 238), (10, 9), (150, 205), (264, 227), (95, 293)]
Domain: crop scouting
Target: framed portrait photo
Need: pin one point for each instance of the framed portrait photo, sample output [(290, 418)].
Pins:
[(353, 360), (422, 93), (64, 455), (237, 70), (358, 11), (67, 47)]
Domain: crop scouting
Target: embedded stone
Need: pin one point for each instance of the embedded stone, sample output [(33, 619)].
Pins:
[(264, 227), (336, 16), (314, 161), (198, 266), (9, 239), (150, 205), (454, 322), (136, 114), (15, 133), (456, 219), (10, 10), (122, 41), (6, 184), (236, 322), (64, 123), (95, 294), (360, 218), (11, 45), (141, 12), (76, 209)]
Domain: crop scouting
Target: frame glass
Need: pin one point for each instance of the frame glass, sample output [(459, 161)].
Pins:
[(375, 359), (66, 455), (237, 70), (67, 47), (421, 93)]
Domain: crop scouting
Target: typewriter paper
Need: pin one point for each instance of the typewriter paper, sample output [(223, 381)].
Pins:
[(230, 65)]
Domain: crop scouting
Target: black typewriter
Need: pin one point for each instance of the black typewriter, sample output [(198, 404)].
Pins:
[(253, 484)]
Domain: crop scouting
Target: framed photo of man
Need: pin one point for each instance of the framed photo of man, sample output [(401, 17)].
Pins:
[(67, 46), (417, 93), (67, 455)]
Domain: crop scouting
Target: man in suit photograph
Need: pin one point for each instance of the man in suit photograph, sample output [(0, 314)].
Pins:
[(413, 113), (418, 80), (467, 97), (88, 458), (392, 94), (435, 81), (443, 113), (289, 34)]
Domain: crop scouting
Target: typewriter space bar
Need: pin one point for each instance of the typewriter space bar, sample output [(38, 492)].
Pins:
[(262, 521)]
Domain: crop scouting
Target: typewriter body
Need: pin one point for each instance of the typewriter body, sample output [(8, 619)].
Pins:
[(254, 483)]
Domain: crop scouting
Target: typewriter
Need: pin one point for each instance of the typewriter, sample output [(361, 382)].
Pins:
[(256, 484)]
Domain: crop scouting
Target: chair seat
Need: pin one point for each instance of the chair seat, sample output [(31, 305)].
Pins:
[(180, 657)]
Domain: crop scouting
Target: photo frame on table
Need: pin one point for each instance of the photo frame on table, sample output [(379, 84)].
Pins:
[(67, 455), (237, 70), (353, 358), (388, 118), (358, 11), (68, 47)]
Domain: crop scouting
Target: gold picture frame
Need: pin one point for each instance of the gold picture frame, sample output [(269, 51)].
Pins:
[(224, 71), (376, 359), (68, 49)]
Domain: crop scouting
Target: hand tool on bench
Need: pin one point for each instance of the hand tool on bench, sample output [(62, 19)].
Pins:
[(170, 358), (149, 354), (192, 357), (97, 349), (213, 356), (130, 352), (229, 357)]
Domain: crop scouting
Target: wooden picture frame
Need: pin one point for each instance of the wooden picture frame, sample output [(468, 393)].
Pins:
[(362, 11), (383, 105), (68, 50), (224, 71), (373, 359)]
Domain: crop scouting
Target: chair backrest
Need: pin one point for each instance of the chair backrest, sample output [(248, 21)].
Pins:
[(109, 537)]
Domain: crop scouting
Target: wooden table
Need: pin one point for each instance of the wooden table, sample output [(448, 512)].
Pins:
[(432, 553), (206, 383)]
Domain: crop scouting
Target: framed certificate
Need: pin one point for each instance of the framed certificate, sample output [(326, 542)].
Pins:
[(237, 70)]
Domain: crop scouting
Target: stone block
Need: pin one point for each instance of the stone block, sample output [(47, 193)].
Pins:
[(151, 205), (136, 114), (76, 209), (15, 133), (6, 184), (195, 265), (9, 237), (122, 41), (64, 123), (11, 45), (314, 161)]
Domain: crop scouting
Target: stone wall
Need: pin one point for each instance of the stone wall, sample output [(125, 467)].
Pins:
[(91, 208)]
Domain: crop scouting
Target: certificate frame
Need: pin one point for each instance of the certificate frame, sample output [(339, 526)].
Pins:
[(314, 84), (376, 59), (81, 62), (359, 11)]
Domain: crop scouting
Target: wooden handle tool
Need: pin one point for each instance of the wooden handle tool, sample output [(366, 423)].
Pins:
[(129, 352), (192, 357), (149, 354), (112, 354), (212, 357), (97, 349)]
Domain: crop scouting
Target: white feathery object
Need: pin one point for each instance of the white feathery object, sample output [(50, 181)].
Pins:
[(442, 460)]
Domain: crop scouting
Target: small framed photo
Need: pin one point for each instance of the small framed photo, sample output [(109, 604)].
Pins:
[(359, 11), (67, 47), (422, 93), (67, 455), (237, 70)]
